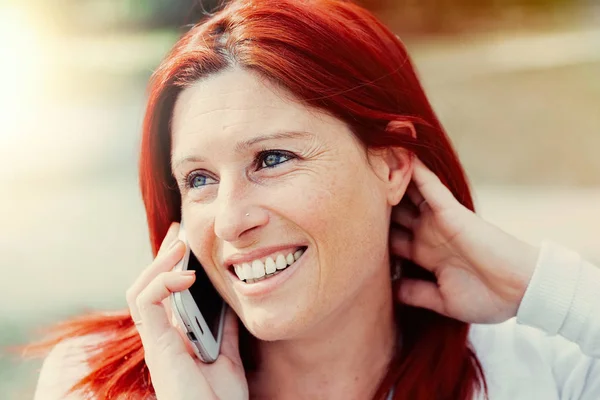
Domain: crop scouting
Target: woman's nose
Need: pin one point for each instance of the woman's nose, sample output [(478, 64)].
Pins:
[(237, 213)]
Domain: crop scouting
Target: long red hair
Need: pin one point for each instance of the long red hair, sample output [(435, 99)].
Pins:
[(334, 56)]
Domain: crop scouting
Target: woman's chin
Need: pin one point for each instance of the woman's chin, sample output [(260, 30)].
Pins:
[(271, 327)]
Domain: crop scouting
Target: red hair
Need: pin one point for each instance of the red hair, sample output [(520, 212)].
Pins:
[(334, 56)]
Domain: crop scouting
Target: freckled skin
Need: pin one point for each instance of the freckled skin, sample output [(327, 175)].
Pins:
[(327, 197)]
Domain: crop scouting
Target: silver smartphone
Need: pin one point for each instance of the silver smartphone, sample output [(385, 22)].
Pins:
[(199, 310)]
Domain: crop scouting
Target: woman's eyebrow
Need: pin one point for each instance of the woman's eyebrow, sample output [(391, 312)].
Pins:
[(242, 146)]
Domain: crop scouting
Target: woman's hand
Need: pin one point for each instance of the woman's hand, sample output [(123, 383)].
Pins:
[(482, 272), (176, 373)]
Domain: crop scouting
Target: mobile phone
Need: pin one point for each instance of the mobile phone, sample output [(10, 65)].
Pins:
[(199, 310)]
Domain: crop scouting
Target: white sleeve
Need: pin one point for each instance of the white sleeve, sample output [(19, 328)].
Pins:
[(563, 299), (63, 367)]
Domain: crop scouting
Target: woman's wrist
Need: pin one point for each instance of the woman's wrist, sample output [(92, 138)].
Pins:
[(509, 263), (525, 261)]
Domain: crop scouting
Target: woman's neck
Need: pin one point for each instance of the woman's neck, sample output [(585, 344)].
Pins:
[(345, 357)]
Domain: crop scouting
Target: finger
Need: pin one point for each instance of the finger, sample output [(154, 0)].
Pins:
[(401, 243), (164, 262), (230, 345), (155, 321), (437, 195), (404, 216), (420, 293), (164, 348), (170, 238)]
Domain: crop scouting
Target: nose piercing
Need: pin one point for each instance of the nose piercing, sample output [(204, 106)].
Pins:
[(247, 214)]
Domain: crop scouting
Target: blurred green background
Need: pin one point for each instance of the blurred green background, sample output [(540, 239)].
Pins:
[(516, 83)]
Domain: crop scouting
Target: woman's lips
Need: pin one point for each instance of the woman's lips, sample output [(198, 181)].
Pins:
[(264, 286), (267, 267)]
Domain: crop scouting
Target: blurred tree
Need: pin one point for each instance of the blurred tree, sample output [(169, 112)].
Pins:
[(416, 15), (446, 16), (107, 15)]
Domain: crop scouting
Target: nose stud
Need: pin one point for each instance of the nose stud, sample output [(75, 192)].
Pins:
[(247, 214)]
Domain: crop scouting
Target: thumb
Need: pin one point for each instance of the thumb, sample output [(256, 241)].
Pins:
[(230, 344), (420, 293)]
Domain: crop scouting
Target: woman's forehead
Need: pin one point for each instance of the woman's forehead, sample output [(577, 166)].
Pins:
[(231, 94), (236, 105)]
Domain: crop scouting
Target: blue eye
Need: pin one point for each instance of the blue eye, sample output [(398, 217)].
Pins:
[(270, 159), (197, 180)]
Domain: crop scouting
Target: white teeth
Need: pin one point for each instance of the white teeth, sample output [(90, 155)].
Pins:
[(247, 271), (280, 262), (270, 266), (298, 254), (239, 271), (290, 259), (258, 269)]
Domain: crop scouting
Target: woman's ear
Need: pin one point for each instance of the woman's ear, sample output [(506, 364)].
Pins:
[(395, 165), (399, 161)]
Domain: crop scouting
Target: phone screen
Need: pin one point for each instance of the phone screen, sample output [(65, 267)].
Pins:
[(205, 296)]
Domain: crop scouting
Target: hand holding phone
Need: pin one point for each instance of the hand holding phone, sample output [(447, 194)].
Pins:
[(176, 373)]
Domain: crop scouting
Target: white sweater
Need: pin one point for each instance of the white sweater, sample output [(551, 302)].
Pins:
[(550, 351)]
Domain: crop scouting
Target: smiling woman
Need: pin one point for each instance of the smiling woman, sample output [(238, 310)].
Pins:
[(295, 141), (285, 132), (227, 121)]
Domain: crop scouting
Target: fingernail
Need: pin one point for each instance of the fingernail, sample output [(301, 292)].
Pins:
[(184, 278), (188, 272)]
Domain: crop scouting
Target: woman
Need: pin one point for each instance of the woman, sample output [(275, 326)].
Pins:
[(283, 126)]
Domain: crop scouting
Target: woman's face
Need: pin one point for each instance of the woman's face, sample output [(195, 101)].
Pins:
[(272, 188)]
